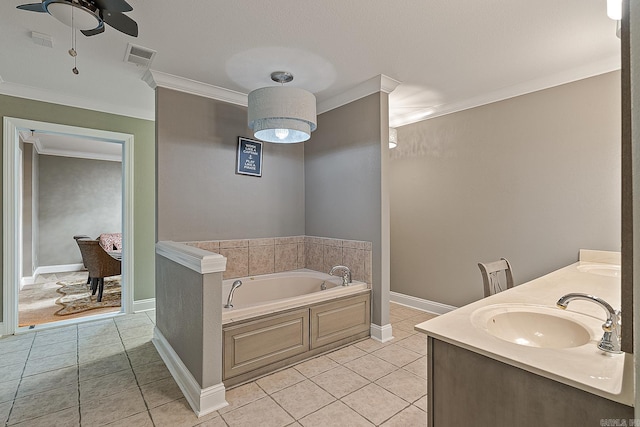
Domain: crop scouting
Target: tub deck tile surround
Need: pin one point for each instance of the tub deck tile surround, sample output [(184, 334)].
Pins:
[(286, 257), (261, 259), (249, 404)]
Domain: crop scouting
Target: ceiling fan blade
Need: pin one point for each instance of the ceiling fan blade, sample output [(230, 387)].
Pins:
[(120, 22), (114, 5), (93, 32), (32, 7)]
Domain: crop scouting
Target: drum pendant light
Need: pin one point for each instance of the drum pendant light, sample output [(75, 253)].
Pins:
[(282, 114)]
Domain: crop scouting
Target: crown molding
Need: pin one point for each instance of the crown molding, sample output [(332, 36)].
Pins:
[(159, 79), (575, 74), (379, 83), (75, 154), (44, 95)]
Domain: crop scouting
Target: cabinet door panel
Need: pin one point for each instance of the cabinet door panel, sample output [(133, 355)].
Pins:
[(336, 320)]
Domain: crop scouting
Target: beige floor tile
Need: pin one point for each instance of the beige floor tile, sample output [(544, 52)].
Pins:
[(94, 324), (101, 367), (406, 325), (370, 367), (346, 354), (371, 345), (340, 381), (302, 398), (14, 358), (48, 381), (265, 410), (419, 367), (375, 403), (337, 413), (152, 372), (240, 396), (403, 311), (410, 416), (133, 322), (404, 384), (11, 344), (112, 408), (53, 349), (8, 390), (143, 419), (96, 388), (5, 408), (423, 317), (52, 338), (66, 418), (415, 342), (400, 334), (99, 341), (279, 380), (47, 402), (99, 354), (134, 342), (315, 366), (51, 363), (143, 354), (396, 355), (214, 422), (395, 318), (160, 392), (177, 414), (421, 403), (145, 331), (11, 372)]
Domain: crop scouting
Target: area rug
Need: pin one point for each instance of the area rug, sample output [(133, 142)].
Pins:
[(77, 296)]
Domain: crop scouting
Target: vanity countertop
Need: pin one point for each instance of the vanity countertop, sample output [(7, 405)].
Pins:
[(584, 367)]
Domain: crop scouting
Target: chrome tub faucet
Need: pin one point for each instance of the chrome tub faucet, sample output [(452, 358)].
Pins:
[(235, 286), (346, 274), (610, 341)]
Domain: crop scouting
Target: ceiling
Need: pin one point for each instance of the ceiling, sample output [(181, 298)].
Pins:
[(448, 55)]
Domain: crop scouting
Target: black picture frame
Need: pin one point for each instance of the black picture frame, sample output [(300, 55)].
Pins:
[(249, 157)]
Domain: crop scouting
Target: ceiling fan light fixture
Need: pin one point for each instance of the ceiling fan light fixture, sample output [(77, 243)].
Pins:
[(83, 17), (282, 114)]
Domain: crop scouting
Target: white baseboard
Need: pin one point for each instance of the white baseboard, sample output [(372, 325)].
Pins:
[(382, 333), (62, 268), (202, 400), (420, 304), (30, 280), (144, 305)]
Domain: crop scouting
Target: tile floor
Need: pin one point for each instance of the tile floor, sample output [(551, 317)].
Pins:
[(108, 373)]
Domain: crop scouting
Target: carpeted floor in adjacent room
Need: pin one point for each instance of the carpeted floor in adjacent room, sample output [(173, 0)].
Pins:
[(37, 302)]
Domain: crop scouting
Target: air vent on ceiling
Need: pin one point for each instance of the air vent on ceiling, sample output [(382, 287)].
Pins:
[(141, 56)]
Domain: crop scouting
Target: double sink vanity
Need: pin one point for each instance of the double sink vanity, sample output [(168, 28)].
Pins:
[(519, 358)]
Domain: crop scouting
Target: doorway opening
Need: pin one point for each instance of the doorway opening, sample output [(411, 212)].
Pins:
[(83, 186)]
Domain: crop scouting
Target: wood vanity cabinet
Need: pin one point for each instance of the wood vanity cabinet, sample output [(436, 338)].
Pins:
[(468, 389)]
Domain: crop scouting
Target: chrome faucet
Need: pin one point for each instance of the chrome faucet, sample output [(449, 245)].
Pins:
[(235, 286), (610, 341), (346, 274)]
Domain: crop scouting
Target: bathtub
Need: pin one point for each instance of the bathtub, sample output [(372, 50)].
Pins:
[(283, 318), (268, 293)]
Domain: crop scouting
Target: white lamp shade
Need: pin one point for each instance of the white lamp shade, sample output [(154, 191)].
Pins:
[(282, 114), (614, 9), (393, 138)]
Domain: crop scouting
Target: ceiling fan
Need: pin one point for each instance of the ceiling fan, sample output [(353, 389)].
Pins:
[(90, 16)]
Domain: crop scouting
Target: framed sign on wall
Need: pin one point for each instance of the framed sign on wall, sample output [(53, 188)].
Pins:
[(249, 157)]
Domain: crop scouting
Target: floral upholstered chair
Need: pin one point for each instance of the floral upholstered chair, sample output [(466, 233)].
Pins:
[(111, 242)]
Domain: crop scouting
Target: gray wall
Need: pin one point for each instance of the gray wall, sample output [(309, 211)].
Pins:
[(199, 195), (532, 179), (77, 196), (343, 181)]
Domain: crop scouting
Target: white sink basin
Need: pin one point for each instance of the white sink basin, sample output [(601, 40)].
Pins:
[(532, 326), (610, 270)]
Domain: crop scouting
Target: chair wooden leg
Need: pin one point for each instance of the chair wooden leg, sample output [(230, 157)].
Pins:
[(88, 280), (94, 285), (101, 281)]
